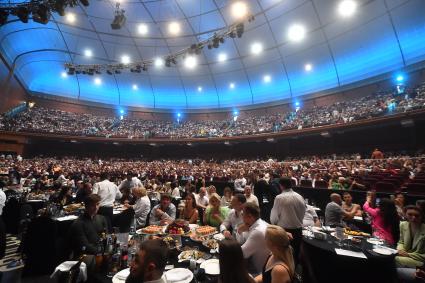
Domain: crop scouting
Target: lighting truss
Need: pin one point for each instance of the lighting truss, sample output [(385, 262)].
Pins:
[(233, 31), (40, 9)]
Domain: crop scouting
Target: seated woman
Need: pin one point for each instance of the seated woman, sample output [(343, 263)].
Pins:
[(227, 197), (385, 221), (411, 246), (232, 264), (141, 207), (190, 210), (215, 214), (279, 267), (65, 196)]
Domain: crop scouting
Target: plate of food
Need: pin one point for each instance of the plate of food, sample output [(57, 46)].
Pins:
[(178, 227), (173, 242), (179, 275), (197, 238), (151, 230), (205, 230), (211, 266), (190, 254), (219, 237), (375, 241), (211, 244), (355, 233)]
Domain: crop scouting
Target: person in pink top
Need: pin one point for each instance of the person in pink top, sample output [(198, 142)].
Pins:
[(385, 220)]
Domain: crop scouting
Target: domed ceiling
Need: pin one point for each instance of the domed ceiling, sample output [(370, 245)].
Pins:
[(292, 48)]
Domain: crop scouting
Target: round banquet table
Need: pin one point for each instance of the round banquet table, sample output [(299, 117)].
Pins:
[(322, 264), (186, 242)]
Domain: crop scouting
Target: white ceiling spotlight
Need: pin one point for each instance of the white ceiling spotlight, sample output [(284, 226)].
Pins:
[(256, 48), (174, 28), (142, 29), (239, 9), (64, 75), (135, 87), (232, 85), (159, 62), (125, 59), (296, 32), (190, 62), (88, 53), (97, 81), (347, 8), (267, 79), (199, 88), (70, 18), (308, 67), (222, 57)]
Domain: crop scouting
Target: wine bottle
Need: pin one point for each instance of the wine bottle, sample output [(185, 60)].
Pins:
[(74, 271)]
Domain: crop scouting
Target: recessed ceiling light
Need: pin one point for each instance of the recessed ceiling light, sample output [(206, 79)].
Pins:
[(97, 81), (159, 62), (125, 59), (64, 75), (267, 78), (135, 87), (70, 18), (256, 48), (232, 85), (239, 9), (296, 33), (222, 57), (88, 53), (142, 29), (308, 67), (347, 8), (174, 28), (190, 62), (199, 88)]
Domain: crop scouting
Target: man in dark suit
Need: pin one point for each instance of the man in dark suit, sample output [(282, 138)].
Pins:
[(261, 190)]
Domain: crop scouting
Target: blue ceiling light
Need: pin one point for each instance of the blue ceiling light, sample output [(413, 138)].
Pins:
[(122, 111), (297, 103), (400, 78)]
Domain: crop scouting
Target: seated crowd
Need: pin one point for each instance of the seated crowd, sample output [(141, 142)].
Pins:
[(53, 121), (264, 250)]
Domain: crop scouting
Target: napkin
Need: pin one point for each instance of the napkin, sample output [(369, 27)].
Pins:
[(66, 266), (123, 274), (350, 253), (176, 275)]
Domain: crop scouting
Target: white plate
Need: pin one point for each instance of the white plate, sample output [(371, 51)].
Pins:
[(211, 266), (173, 275), (121, 276), (219, 237), (375, 241), (382, 251)]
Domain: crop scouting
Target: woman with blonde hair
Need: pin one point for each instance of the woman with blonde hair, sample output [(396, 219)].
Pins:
[(279, 267), (141, 207), (215, 214)]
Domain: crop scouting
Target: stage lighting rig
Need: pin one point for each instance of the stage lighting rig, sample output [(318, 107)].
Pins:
[(235, 30), (39, 9), (119, 19)]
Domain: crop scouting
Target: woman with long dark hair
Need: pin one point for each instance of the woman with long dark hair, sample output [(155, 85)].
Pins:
[(385, 220), (232, 264), (190, 209)]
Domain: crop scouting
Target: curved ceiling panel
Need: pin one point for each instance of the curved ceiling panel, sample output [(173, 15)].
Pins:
[(382, 36)]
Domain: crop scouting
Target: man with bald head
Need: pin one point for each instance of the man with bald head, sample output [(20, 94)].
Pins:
[(334, 213)]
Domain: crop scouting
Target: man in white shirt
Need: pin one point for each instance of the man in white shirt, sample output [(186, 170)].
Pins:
[(201, 198), (240, 183), (149, 263), (249, 196), (254, 248), (288, 212), (129, 184), (230, 225), (108, 193), (2, 201)]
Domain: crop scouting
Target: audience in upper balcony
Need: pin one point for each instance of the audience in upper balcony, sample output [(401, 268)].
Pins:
[(38, 119)]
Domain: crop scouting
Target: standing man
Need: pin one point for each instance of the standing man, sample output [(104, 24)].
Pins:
[(249, 196), (288, 212), (262, 189), (108, 193)]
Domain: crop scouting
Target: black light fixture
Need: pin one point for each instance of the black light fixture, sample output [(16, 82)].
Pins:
[(240, 28), (3, 17), (23, 13), (60, 7), (41, 15), (85, 2), (119, 19), (71, 70), (109, 72)]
